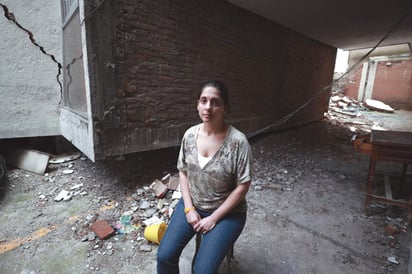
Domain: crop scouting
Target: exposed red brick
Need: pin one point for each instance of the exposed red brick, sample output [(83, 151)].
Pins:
[(391, 229), (102, 229)]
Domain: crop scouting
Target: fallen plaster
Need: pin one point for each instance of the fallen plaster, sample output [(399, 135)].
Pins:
[(10, 16)]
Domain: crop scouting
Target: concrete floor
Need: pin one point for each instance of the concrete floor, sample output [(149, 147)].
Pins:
[(305, 213)]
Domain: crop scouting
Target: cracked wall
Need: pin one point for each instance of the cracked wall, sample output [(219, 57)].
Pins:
[(29, 87), (148, 59)]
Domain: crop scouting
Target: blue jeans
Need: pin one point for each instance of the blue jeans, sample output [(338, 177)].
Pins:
[(213, 248)]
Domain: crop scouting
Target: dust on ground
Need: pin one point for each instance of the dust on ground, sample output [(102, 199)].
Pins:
[(306, 209)]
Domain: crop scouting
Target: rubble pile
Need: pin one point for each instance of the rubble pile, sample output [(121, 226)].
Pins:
[(149, 205), (346, 111)]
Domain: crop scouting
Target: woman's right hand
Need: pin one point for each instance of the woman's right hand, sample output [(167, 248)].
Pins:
[(193, 217)]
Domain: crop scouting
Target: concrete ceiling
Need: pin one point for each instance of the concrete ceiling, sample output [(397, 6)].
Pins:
[(345, 24)]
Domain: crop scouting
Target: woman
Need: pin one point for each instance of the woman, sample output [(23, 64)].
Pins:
[(215, 172)]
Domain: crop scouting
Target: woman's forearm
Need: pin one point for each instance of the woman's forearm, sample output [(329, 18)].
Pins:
[(237, 195), (184, 188)]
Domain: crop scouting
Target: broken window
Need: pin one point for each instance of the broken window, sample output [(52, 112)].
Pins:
[(74, 92)]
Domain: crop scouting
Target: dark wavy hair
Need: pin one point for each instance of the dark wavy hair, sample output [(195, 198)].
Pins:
[(220, 86)]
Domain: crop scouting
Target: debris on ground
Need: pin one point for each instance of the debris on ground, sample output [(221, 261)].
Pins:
[(102, 229), (378, 105), (28, 159), (350, 112), (393, 260), (311, 185), (64, 195), (65, 157)]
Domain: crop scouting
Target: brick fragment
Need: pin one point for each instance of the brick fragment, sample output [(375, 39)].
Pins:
[(391, 229), (102, 229)]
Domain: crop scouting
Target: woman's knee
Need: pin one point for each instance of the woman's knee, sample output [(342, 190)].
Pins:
[(164, 257)]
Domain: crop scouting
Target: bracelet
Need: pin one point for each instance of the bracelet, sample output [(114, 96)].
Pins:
[(188, 209)]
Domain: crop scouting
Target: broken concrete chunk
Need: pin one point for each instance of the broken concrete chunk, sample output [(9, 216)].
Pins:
[(158, 188), (68, 171), (171, 182), (28, 159), (392, 260), (91, 236), (145, 248), (102, 229), (64, 195), (76, 186), (378, 105)]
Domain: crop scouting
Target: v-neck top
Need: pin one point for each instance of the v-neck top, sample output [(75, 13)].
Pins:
[(231, 165)]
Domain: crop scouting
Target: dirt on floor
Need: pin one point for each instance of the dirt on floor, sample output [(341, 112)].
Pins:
[(306, 209)]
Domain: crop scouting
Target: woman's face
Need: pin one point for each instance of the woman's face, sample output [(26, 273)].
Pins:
[(210, 105)]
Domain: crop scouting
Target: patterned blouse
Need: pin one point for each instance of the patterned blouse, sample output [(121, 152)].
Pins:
[(230, 165)]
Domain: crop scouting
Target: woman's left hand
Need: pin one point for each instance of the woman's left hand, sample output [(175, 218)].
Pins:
[(204, 225)]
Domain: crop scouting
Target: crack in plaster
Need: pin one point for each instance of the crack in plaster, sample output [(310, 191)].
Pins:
[(10, 16)]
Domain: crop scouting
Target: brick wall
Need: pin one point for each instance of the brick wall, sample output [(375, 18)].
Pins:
[(392, 84), (164, 50)]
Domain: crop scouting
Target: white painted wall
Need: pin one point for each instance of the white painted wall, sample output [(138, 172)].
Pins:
[(341, 64), (29, 91)]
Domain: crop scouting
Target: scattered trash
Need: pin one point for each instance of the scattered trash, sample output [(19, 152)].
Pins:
[(125, 225), (152, 220), (154, 233), (144, 204)]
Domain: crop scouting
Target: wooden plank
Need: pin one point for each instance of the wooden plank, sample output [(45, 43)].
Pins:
[(388, 190)]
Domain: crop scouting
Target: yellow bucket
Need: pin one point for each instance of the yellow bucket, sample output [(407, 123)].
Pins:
[(154, 232)]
